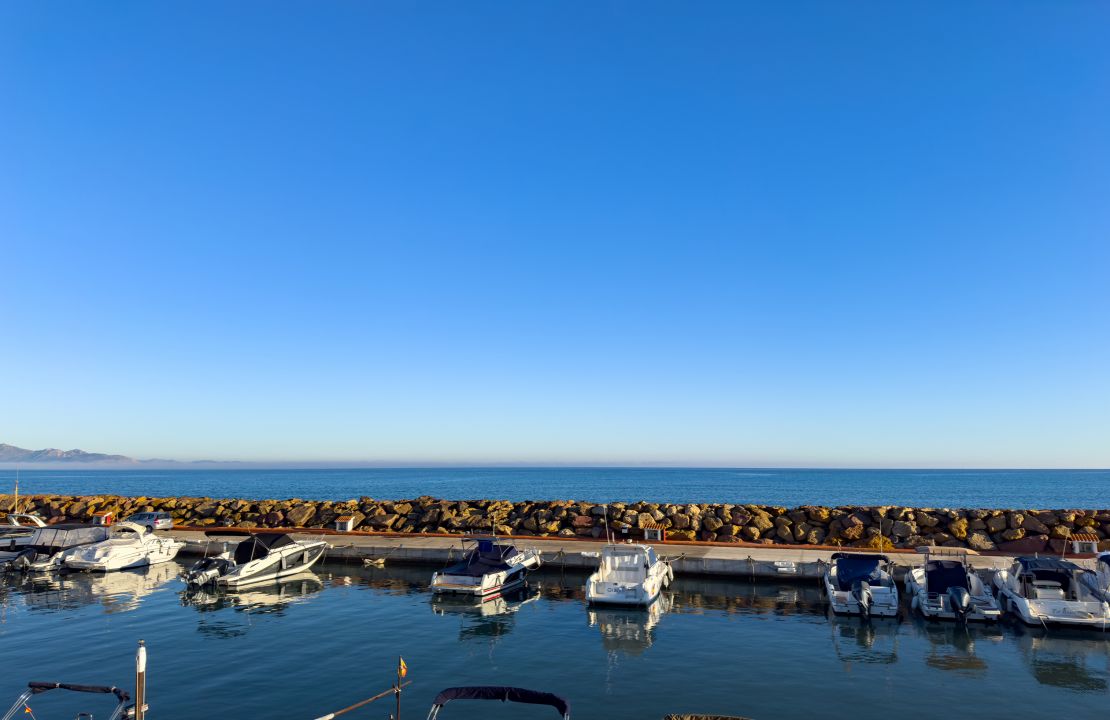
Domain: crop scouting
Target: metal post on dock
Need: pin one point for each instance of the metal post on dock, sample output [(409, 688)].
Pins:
[(140, 681)]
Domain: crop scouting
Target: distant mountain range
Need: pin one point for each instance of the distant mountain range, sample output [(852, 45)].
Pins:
[(11, 453)]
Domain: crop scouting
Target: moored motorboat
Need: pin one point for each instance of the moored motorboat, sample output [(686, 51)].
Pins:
[(128, 545), (501, 693), (17, 529), (628, 574), (946, 587), (859, 584), (1053, 591), (259, 558), (487, 569), (47, 547)]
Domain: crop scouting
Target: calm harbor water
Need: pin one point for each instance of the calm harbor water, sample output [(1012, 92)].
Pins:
[(922, 488), (324, 640)]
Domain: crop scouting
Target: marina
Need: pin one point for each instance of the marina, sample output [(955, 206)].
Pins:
[(709, 645)]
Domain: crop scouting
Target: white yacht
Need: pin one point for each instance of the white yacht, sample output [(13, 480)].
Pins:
[(1052, 591), (947, 588), (859, 584), (628, 574), (46, 548), (129, 545), (16, 531), (259, 558), (488, 569)]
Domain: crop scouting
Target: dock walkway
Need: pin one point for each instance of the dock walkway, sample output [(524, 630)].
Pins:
[(741, 561)]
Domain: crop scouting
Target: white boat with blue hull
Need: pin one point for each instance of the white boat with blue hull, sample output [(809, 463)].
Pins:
[(947, 588), (628, 574), (488, 569), (1053, 591), (861, 584)]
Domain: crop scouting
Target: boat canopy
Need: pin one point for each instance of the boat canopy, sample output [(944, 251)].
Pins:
[(259, 545), (64, 536), (1033, 564), (1104, 558), (504, 694), (40, 687), (855, 567), (943, 574)]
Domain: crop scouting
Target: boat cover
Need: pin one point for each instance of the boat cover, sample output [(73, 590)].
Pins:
[(852, 567), (1032, 564), (1104, 559), (943, 574), (488, 557), (259, 545), (41, 687), (504, 694)]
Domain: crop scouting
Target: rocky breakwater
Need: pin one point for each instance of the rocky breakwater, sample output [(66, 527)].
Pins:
[(860, 527)]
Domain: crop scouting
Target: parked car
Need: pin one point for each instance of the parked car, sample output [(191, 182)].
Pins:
[(152, 520)]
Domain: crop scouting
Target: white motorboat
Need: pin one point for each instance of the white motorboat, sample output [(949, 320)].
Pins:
[(129, 545), (861, 584), (947, 588), (488, 569), (259, 558), (48, 546), (1052, 591), (17, 530), (628, 574)]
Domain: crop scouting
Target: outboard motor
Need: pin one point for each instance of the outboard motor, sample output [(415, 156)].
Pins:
[(22, 561), (959, 599), (861, 593), (206, 571)]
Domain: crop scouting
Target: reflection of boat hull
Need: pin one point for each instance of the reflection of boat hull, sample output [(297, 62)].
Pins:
[(285, 562)]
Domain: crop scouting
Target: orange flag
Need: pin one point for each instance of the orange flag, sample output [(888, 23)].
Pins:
[(402, 668)]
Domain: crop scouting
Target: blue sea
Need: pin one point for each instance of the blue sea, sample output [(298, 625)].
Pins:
[(1087, 489)]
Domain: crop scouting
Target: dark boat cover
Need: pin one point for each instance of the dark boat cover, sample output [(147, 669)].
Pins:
[(1033, 564), (1105, 559), (504, 694), (943, 574), (259, 545), (488, 557), (41, 687), (853, 567)]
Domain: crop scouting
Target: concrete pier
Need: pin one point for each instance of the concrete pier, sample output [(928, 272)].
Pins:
[(783, 562)]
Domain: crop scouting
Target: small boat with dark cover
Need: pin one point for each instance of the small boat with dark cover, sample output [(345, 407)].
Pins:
[(258, 558), (947, 588), (488, 569), (501, 693), (859, 584)]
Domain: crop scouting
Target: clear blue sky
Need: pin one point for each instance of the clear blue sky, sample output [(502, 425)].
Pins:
[(710, 233)]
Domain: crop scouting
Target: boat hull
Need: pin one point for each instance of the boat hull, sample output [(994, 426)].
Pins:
[(291, 560)]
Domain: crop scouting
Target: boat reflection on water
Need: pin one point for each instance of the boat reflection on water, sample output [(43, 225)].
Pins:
[(485, 620), (951, 646), (1064, 659), (116, 592), (629, 631), (269, 597), (868, 642)]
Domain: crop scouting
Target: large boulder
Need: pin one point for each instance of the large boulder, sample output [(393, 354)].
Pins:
[(980, 541)]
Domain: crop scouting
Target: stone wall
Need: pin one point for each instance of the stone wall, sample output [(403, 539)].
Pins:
[(903, 527)]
